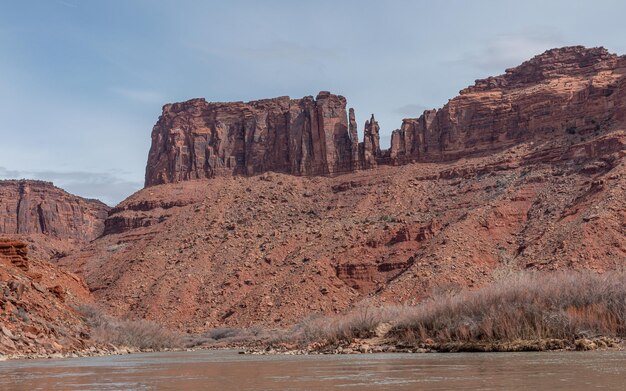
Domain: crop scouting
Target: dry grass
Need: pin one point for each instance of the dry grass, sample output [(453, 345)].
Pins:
[(521, 307), (525, 306), (227, 336), (360, 322), (138, 334)]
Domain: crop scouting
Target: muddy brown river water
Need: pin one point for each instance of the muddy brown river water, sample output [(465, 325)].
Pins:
[(226, 370)]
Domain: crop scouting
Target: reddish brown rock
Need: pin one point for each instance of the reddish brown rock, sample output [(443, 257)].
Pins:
[(354, 139), (36, 207), (197, 139), (409, 142), (371, 143), (37, 305), (502, 186), (53, 222), (15, 252), (563, 94), (274, 249)]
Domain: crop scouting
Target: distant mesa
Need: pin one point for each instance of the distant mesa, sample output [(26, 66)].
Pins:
[(32, 207)]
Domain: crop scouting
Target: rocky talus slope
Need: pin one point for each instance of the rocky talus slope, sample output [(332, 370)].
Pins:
[(273, 249), (37, 300)]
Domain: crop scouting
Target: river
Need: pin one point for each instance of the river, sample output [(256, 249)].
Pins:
[(224, 370)]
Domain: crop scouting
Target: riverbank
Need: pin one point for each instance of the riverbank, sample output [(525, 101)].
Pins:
[(368, 346), (525, 312)]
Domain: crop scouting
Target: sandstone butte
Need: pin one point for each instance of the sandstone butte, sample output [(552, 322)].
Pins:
[(563, 90), (521, 171)]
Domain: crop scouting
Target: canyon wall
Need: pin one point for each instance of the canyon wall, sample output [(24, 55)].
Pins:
[(563, 93), (197, 139), (543, 191), (35, 207), (567, 92)]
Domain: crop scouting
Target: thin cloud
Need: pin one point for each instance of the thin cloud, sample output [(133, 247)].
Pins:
[(9, 174), (508, 50), (108, 187), (139, 95), (411, 110)]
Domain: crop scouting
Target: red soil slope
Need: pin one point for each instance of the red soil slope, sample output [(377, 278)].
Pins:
[(275, 248), (37, 303), (521, 171)]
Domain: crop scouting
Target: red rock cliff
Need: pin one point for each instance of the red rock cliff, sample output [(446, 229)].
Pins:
[(198, 139), (36, 207), (560, 93), (272, 249)]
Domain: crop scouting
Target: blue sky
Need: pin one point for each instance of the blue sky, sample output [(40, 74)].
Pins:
[(82, 82)]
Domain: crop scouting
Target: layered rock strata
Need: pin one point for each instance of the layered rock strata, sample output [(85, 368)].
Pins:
[(197, 139), (371, 152), (564, 93), (37, 301), (273, 249), (36, 207)]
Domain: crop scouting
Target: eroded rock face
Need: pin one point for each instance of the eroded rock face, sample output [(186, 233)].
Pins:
[(273, 249), (198, 139), (35, 207), (371, 143), (15, 252), (37, 301), (354, 139), (562, 93)]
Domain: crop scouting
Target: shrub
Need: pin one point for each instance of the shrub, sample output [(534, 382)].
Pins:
[(526, 306), (360, 322), (388, 219), (139, 334)]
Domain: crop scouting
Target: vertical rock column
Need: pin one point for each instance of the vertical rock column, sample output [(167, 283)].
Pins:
[(354, 139), (334, 142), (371, 143)]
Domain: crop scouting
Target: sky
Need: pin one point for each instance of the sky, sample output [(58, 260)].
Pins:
[(82, 82)]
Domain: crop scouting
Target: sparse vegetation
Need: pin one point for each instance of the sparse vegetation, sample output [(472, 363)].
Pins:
[(527, 311), (361, 322), (388, 219), (138, 334), (524, 307)]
